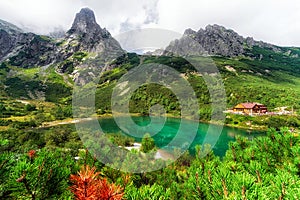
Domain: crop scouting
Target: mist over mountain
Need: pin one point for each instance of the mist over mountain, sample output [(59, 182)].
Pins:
[(30, 50)]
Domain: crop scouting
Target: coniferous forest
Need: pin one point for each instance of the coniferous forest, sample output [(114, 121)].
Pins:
[(267, 167)]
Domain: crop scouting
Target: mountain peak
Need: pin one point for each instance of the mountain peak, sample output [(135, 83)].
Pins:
[(189, 32), (87, 35), (216, 27), (86, 30), (214, 40), (85, 21), (87, 11)]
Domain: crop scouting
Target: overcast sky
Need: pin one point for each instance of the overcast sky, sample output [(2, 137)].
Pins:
[(273, 21)]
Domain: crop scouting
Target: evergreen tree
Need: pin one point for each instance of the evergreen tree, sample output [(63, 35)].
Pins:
[(147, 143)]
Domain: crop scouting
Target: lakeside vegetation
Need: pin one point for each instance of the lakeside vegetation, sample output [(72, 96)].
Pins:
[(43, 164), (33, 113), (267, 167)]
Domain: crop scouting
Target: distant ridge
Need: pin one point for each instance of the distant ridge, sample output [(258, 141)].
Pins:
[(215, 40)]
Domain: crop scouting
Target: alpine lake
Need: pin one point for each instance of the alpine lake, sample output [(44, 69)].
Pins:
[(171, 133)]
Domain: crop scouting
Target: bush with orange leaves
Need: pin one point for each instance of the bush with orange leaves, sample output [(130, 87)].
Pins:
[(87, 185)]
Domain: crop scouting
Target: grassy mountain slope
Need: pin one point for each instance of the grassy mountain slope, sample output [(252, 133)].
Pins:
[(269, 81), (272, 80)]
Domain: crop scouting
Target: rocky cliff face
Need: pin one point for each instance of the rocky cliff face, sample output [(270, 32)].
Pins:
[(86, 45), (24, 49), (214, 40), (88, 35), (31, 50), (9, 36), (7, 42)]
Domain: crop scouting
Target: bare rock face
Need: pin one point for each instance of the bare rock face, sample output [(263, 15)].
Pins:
[(89, 35), (218, 40), (85, 23), (7, 42), (86, 37), (31, 50), (214, 40), (24, 49), (9, 34)]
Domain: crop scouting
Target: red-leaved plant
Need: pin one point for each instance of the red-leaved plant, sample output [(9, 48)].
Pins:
[(31, 154), (87, 185)]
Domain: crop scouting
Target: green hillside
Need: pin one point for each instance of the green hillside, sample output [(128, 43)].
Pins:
[(272, 80), (267, 81)]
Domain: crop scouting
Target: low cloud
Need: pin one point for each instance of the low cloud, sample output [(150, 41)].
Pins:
[(271, 21)]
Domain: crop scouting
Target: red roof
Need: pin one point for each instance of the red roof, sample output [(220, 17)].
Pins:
[(252, 105), (249, 105)]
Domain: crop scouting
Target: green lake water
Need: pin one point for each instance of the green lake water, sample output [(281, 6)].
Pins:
[(164, 132)]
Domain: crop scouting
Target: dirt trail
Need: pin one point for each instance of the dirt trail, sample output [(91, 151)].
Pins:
[(65, 122)]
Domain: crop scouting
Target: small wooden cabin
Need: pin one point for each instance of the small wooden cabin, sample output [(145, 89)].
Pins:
[(250, 108)]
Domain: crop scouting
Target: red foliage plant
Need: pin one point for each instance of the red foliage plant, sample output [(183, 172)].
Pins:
[(87, 185), (31, 153)]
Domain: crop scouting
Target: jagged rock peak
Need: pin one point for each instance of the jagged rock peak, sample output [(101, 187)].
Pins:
[(215, 40), (220, 32), (85, 21), (216, 27), (86, 35), (189, 32)]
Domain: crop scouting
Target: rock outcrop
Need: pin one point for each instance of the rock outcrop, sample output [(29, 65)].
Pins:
[(9, 37), (24, 49), (88, 35), (31, 50), (214, 40), (86, 46)]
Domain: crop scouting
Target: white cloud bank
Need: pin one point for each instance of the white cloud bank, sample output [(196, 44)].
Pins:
[(273, 21)]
